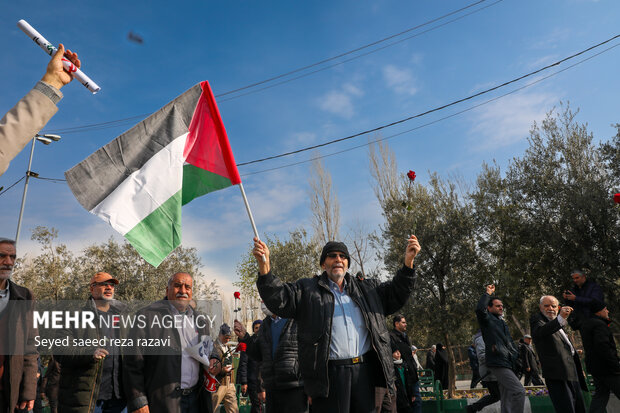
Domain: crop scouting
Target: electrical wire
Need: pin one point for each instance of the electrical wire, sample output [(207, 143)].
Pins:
[(15, 183), (432, 122), (121, 122), (438, 108)]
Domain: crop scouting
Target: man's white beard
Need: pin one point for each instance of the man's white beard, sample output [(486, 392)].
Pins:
[(5, 275)]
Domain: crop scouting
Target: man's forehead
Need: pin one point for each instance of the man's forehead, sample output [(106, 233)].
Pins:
[(182, 278), (7, 247), (549, 301)]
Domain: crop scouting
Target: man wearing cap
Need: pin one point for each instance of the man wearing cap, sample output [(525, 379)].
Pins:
[(91, 380), (561, 367), (18, 354), (529, 363), (226, 393), (601, 356), (163, 380), (344, 347)]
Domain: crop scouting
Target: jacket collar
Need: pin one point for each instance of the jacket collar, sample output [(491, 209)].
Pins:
[(17, 292)]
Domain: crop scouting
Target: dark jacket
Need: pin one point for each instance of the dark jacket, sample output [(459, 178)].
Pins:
[(600, 347), (404, 391), (78, 389), (553, 351), (401, 342), (430, 360), (442, 367), (52, 379), (585, 294), (155, 379), (281, 372), (21, 365), (311, 303), (528, 358), (501, 351)]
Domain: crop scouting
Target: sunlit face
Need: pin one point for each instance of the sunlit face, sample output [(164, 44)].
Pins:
[(401, 325), (578, 279), (179, 290), (7, 261), (335, 265), (103, 290), (496, 307), (549, 307)]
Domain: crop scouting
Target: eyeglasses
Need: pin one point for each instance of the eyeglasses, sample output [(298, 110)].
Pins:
[(104, 284), (337, 255), (12, 256)]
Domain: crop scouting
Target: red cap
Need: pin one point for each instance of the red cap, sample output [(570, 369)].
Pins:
[(103, 277)]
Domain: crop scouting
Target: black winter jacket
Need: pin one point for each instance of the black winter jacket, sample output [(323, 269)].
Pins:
[(402, 343), (311, 303), (501, 351), (600, 347), (281, 372), (78, 389)]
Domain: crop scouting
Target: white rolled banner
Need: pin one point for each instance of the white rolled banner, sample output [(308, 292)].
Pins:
[(51, 49)]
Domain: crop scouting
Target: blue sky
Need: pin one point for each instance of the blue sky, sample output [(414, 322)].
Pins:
[(236, 43)]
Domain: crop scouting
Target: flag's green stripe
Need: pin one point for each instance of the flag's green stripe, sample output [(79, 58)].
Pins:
[(197, 182), (159, 233)]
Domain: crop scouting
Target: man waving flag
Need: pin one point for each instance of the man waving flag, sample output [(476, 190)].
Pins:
[(139, 181)]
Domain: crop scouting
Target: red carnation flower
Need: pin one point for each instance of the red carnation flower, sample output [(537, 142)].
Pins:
[(617, 198), (411, 176), (237, 294), (242, 347)]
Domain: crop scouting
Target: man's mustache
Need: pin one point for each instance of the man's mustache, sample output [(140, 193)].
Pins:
[(181, 295)]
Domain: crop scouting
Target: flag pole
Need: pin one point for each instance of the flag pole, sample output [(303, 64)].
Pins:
[(247, 207)]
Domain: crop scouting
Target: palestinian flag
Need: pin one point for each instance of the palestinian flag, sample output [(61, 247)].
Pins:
[(139, 181)]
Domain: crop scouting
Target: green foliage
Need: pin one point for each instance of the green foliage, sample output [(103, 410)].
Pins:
[(294, 258), (57, 274)]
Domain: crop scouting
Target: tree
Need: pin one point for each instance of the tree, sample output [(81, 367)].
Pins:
[(48, 275), (323, 204), (138, 279), (446, 289), (291, 259), (57, 274)]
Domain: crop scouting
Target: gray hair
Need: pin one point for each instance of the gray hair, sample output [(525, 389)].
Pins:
[(172, 277), (547, 296), (577, 272)]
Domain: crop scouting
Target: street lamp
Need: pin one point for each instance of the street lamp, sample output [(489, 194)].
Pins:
[(46, 139)]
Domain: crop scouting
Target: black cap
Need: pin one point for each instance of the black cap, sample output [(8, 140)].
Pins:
[(597, 306), (335, 246)]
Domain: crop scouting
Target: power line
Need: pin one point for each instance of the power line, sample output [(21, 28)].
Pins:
[(405, 131), (121, 122), (15, 183), (300, 69), (430, 110), (358, 56), (432, 122)]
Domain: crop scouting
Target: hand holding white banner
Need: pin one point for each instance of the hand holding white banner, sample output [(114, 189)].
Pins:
[(51, 49)]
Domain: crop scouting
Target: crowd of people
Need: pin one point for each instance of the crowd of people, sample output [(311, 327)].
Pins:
[(501, 362)]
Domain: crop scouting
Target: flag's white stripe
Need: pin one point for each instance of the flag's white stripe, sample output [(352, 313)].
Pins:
[(146, 189)]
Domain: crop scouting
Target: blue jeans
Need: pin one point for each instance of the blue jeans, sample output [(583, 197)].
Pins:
[(111, 406)]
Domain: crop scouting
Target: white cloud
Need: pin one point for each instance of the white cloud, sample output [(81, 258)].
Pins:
[(508, 120), (400, 80), (340, 102)]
